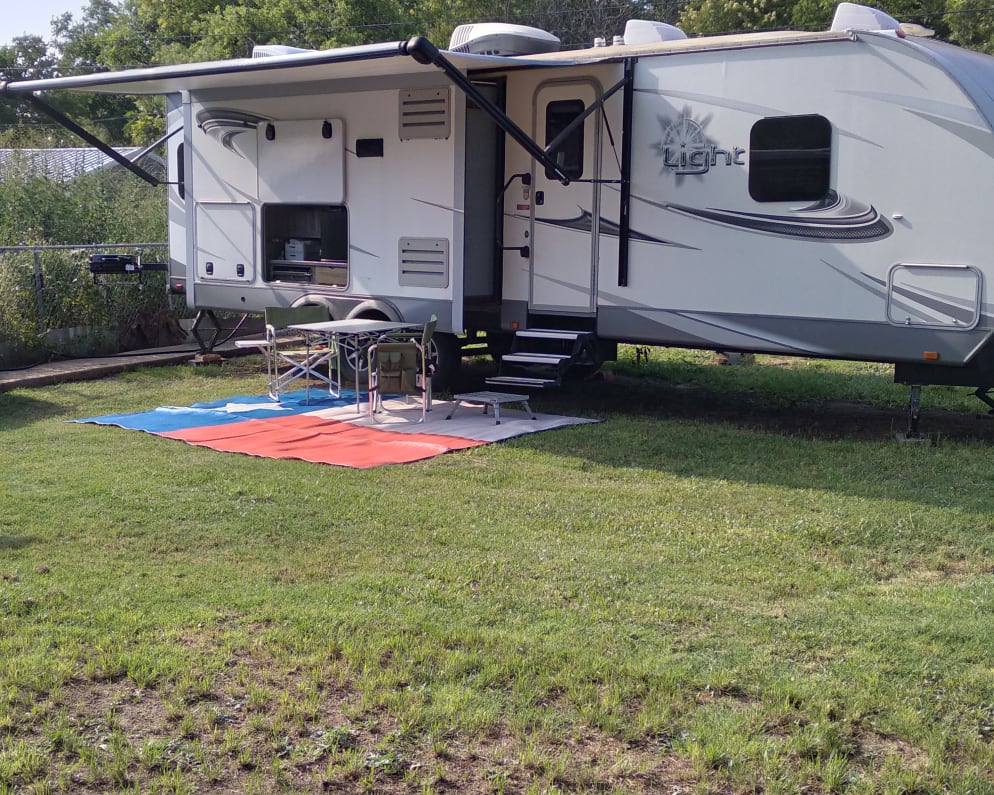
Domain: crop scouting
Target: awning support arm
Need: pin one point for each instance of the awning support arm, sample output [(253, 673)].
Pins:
[(92, 140), (625, 203), (424, 52)]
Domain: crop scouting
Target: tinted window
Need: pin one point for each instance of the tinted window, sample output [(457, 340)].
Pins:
[(181, 170), (790, 158), (569, 153)]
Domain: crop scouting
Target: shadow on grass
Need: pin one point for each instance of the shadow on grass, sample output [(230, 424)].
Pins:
[(18, 409), (817, 406), (843, 447), (8, 542)]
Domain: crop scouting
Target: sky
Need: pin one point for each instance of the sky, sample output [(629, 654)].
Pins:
[(34, 17)]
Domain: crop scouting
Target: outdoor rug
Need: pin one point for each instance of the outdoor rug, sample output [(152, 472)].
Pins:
[(328, 430)]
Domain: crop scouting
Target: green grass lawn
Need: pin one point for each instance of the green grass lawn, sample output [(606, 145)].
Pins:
[(649, 604)]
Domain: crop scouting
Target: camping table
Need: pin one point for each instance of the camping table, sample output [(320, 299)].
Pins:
[(490, 399), (359, 332)]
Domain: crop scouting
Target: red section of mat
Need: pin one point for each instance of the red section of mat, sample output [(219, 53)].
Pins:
[(321, 441)]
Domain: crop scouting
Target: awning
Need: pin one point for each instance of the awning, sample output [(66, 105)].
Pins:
[(386, 59), (281, 73)]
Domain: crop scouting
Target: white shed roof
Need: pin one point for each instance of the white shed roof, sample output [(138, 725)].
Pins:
[(68, 163)]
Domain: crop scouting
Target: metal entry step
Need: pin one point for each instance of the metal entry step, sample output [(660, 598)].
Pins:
[(540, 358), (522, 381), (549, 334)]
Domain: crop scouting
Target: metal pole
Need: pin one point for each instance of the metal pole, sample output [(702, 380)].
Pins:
[(39, 282)]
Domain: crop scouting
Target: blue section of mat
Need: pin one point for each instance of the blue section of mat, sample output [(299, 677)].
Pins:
[(222, 412)]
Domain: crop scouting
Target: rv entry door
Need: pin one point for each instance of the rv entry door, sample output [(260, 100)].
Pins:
[(565, 218)]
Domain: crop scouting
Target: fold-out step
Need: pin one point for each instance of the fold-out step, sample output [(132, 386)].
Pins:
[(550, 334), (521, 381), (539, 358), (548, 359)]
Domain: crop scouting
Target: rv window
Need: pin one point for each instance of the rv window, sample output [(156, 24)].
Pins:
[(181, 170), (569, 154), (790, 158), (306, 243)]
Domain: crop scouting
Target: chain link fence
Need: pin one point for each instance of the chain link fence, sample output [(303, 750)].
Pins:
[(51, 305)]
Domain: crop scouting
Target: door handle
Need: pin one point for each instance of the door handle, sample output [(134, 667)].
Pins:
[(539, 197), (524, 251)]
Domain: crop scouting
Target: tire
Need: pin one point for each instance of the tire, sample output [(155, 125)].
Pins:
[(443, 352)]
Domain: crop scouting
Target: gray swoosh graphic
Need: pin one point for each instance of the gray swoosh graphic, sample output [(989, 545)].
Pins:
[(981, 139), (861, 227), (584, 222)]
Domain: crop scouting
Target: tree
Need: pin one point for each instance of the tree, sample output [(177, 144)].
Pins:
[(729, 16), (195, 30), (26, 58), (76, 47), (970, 27), (578, 22)]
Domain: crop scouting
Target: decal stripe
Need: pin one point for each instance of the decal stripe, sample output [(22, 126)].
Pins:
[(862, 227), (584, 222)]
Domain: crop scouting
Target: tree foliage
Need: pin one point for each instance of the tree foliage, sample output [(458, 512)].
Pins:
[(104, 208), (117, 34), (731, 16)]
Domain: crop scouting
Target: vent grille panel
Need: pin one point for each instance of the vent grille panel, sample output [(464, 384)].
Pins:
[(424, 262), (424, 114)]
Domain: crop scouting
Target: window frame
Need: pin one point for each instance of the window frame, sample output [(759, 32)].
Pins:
[(325, 227), (559, 114), (790, 158)]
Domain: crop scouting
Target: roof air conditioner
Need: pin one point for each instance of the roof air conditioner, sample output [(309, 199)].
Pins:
[(269, 50), (499, 38)]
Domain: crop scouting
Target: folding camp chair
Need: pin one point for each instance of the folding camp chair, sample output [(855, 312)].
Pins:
[(289, 354), (401, 368)]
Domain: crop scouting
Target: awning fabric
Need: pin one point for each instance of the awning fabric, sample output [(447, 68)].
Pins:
[(387, 59)]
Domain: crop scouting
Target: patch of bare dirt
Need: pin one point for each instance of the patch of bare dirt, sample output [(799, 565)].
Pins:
[(226, 741)]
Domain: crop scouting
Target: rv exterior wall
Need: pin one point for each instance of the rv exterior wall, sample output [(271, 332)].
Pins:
[(301, 150), (726, 271), (812, 196), (714, 265), (180, 237), (568, 252)]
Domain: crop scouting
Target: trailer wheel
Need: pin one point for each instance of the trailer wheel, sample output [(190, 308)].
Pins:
[(443, 353), (355, 367)]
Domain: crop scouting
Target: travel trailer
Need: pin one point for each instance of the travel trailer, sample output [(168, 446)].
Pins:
[(805, 193)]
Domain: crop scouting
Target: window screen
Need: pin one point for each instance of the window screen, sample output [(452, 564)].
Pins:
[(790, 158), (569, 154)]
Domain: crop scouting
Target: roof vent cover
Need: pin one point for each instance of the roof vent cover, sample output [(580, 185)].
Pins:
[(499, 38), (644, 31), (852, 16)]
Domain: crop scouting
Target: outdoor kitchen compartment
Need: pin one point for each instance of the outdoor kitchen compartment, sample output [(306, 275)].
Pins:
[(306, 244)]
